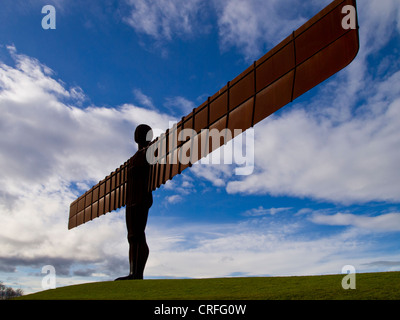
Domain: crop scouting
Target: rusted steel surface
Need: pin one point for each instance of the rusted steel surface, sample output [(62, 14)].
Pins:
[(307, 57), (108, 195)]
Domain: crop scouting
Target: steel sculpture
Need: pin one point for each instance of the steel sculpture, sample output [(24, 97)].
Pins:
[(324, 45)]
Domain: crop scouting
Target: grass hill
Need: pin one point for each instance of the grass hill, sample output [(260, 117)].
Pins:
[(380, 286)]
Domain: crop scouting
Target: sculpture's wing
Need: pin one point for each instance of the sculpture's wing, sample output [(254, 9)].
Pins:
[(108, 195), (310, 55)]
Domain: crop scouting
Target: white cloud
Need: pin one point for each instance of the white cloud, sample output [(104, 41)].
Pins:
[(217, 174), (174, 198), (143, 99), (353, 161), (379, 20), (42, 135), (163, 19), (47, 144), (345, 145), (261, 211), (257, 246), (183, 105), (181, 184), (385, 222)]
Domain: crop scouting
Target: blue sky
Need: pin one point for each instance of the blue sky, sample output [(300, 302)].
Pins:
[(325, 190)]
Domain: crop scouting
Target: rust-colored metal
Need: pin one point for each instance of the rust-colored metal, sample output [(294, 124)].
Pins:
[(307, 57), (104, 197)]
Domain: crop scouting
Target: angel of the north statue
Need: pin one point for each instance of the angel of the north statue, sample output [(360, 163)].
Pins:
[(321, 47)]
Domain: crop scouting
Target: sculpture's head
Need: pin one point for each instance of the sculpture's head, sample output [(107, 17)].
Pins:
[(143, 135)]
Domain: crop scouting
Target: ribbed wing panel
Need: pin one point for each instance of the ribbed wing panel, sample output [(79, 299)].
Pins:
[(108, 195)]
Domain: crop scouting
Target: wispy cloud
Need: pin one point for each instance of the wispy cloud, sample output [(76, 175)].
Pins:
[(174, 198), (384, 264), (164, 20), (251, 26), (256, 246), (179, 105), (143, 99), (382, 223), (261, 211)]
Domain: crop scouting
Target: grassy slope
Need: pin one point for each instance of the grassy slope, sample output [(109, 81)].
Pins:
[(368, 286)]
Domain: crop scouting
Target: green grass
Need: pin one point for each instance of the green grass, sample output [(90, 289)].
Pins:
[(368, 286)]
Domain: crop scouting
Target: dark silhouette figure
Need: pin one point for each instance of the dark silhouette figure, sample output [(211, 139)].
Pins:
[(138, 203)]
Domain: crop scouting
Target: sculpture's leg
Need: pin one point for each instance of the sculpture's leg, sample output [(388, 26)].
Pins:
[(136, 219), (141, 258), (133, 245)]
